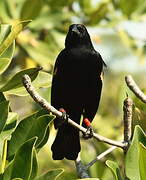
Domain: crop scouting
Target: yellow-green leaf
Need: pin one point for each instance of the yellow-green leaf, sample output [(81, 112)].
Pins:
[(17, 27), (115, 169), (52, 174), (16, 80), (6, 57), (31, 9), (133, 154), (142, 161), (4, 108), (42, 80), (21, 165)]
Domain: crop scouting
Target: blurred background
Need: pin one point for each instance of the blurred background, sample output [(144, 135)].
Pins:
[(118, 31)]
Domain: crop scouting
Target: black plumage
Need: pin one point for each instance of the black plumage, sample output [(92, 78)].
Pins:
[(76, 87)]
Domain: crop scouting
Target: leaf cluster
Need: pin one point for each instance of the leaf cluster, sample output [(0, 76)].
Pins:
[(20, 141)]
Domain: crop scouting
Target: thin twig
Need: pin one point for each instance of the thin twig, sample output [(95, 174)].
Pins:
[(134, 88), (100, 156), (43, 103)]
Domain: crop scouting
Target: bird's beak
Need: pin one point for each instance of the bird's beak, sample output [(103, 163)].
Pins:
[(75, 30)]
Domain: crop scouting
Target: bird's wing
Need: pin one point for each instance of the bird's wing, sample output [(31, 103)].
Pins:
[(94, 83), (56, 90)]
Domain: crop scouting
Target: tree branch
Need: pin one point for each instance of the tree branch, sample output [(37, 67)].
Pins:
[(100, 156), (127, 108), (43, 103), (134, 88), (81, 168)]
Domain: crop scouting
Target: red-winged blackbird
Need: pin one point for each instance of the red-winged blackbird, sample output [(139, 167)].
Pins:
[(76, 87)]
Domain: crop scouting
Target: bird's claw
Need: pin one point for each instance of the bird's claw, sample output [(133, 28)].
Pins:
[(64, 116), (89, 133)]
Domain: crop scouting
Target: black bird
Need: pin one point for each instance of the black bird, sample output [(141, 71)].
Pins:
[(76, 87)]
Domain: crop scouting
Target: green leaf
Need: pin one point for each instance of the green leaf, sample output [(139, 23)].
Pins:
[(5, 29), (8, 54), (139, 116), (4, 156), (4, 63), (11, 121), (34, 125), (15, 30), (16, 80), (8, 129), (59, 4), (42, 80), (6, 57), (115, 169), (128, 9), (11, 8), (2, 97), (52, 175), (4, 108), (86, 6), (142, 161), (45, 138), (40, 53), (3, 12), (40, 127), (31, 9), (34, 166), (89, 179), (96, 12), (133, 155), (21, 165)]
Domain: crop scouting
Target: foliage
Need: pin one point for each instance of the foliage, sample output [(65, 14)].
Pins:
[(135, 167), (19, 142), (44, 37), (134, 161), (120, 28)]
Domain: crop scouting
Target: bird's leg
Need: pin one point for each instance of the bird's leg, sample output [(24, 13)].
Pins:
[(64, 117), (89, 133)]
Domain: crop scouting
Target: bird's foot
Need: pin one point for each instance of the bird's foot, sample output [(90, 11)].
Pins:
[(89, 133), (64, 117)]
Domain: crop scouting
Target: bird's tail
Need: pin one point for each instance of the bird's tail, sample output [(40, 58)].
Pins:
[(66, 144)]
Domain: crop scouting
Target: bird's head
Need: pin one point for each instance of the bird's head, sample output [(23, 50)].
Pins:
[(77, 36)]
